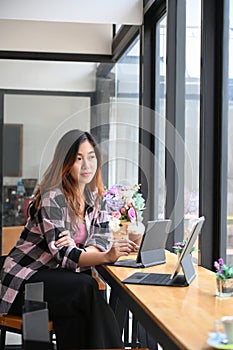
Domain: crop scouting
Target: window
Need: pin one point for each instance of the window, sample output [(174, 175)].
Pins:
[(160, 104), (124, 120)]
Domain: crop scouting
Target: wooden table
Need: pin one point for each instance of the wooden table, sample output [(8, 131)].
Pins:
[(176, 317)]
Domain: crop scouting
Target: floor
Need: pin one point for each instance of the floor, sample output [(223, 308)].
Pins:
[(15, 339)]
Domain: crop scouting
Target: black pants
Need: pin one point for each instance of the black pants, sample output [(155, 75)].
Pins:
[(82, 319)]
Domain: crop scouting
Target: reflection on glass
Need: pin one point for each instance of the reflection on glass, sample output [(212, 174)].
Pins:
[(44, 118), (160, 103), (230, 142), (192, 111), (124, 120)]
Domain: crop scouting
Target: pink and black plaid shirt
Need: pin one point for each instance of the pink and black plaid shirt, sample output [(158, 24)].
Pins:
[(36, 248)]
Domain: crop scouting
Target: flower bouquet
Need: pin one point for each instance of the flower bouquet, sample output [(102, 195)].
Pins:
[(125, 205)]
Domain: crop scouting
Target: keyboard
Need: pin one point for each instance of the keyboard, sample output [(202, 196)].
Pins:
[(156, 279)]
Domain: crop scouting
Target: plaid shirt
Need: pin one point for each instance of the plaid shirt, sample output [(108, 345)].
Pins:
[(36, 249)]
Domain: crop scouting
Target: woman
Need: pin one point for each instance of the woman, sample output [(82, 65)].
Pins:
[(65, 234)]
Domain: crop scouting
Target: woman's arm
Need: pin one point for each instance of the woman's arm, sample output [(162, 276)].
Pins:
[(93, 256), (54, 221)]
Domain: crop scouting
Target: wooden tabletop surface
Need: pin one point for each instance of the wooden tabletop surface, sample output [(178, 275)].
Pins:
[(186, 314)]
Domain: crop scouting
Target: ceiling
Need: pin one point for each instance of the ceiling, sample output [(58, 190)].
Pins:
[(59, 26)]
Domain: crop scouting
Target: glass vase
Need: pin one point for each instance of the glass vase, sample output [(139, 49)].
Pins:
[(122, 233), (224, 288)]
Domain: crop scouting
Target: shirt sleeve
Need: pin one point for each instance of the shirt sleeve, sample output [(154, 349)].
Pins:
[(52, 218), (100, 233)]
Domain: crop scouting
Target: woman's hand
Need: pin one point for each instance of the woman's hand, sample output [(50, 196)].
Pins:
[(121, 247), (65, 240)]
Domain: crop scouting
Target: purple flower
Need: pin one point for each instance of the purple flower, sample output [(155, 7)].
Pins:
[(108, 196), (221, 261), (220, 267), (132, 214), (113, 190), (179, 244)]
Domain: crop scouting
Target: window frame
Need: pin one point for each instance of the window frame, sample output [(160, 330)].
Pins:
[(213, 127)]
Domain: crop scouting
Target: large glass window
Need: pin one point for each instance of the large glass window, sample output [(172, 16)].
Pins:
[(192, 111), (230, 142), (124, 120)]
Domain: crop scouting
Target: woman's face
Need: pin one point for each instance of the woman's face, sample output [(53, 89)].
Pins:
[(84, 168)]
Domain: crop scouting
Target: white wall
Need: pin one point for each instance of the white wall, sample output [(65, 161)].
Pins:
[(44, 119), (45, 36), (44, 75)]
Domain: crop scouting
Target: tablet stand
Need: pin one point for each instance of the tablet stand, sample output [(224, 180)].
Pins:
[(188, 269)]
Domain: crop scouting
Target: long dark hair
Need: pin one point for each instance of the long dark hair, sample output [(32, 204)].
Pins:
[(58, 173)]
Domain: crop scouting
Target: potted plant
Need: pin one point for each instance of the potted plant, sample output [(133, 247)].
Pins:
[(224, 278), (179, 246)]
